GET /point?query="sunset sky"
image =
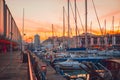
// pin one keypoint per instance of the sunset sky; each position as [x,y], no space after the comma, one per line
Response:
[41,14]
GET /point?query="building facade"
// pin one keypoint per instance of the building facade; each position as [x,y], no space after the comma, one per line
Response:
[37,42]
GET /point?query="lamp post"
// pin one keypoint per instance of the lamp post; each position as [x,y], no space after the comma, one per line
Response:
[22,34]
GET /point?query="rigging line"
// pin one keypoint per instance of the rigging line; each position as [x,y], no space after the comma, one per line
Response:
[72,11]
[73,15]
[97,18]
[80,19]
[71,31]
[105,27]
[59,1]
[66,17]
[65,14]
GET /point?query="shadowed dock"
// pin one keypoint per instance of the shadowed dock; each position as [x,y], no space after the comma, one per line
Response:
[12,68]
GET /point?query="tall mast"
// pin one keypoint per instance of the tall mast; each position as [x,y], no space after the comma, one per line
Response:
[113,37]
[63,26]
[105,35]
[63,21]
[113,24]
[68,24]
[76,23]
[105,26]
[91,27]
[52,36]
[52,31]
[91,34]
[86,43]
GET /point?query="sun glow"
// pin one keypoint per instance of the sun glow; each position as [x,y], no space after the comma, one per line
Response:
[40,15]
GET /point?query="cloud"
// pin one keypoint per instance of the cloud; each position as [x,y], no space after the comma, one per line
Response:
[32,27]
[111,14]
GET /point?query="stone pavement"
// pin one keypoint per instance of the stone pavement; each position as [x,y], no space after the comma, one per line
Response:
[12,68]
[51,73]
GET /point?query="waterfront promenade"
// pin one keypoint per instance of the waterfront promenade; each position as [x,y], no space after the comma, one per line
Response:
[51,74]
[12,68]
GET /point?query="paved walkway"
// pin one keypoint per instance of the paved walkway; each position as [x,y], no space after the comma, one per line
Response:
[51,73]
[12,68]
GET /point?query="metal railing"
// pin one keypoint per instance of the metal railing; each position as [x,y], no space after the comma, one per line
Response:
[30,69]
[40,68]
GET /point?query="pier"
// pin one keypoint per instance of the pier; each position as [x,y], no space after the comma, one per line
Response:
[12,67]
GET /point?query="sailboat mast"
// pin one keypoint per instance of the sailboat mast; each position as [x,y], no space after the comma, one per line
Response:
[53,36]
[105,26]
[113,24]
[52,31]
[91,33]
[113,37]
[63,21]
[68,24]
[105,35]
[76,23]
[63,26]
[86,42]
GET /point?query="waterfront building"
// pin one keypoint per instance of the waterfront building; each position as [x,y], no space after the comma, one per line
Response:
[37,42]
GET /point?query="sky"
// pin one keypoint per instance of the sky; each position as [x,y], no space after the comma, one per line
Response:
[39,15]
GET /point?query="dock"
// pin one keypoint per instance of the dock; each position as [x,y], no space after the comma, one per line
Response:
[51,74]
[12,68]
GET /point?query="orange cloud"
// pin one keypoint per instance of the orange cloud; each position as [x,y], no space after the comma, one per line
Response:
[44,29]
[32,27]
